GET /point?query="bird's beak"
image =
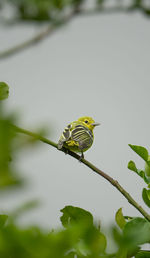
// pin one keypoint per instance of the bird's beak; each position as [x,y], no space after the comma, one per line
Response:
[95,124]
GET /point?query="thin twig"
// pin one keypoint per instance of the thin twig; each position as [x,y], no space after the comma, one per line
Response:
[91,166]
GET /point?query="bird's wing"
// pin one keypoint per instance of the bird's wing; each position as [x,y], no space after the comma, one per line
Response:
[83,136]
[65,136]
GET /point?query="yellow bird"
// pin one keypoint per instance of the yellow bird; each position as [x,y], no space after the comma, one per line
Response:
[78,136]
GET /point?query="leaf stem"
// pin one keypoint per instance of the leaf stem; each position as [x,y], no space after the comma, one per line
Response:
[91,166]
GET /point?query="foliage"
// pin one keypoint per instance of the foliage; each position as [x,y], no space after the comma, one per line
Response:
[55,13]
[8,175]
[41,10]
[4,91]
[47,10]
[80,235]
[145,173]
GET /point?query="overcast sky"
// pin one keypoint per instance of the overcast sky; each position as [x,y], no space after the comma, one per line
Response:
[97,66]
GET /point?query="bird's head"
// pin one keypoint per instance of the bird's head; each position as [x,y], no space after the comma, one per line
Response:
[88,122]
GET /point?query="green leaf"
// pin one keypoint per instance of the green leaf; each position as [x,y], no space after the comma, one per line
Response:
[132,166]
[72,215]
[120,220]
[146,196]
[136,232]
[3,219]
[147,167]
[141,151]
[141,173]
[4,91]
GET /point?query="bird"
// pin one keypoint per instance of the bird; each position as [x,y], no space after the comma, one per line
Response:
[78,135]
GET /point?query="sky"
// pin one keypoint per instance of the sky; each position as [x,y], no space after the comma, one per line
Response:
[96,66]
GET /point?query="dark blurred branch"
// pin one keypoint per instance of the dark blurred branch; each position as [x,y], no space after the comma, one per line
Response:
[91,166]
[22,46]
[100,8]
[37,38]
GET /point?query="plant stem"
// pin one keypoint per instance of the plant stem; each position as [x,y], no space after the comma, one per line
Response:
[91,166]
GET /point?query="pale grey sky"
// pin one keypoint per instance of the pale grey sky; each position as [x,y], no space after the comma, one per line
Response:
[97,66]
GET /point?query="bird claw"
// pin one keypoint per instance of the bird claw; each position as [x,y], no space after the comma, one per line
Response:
[81,157]
[66,151]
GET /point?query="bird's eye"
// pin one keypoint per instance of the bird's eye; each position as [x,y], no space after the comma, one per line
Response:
[86,121]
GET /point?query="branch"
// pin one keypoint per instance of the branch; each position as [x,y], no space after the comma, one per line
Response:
[22,46]
[91,166]
[52,27]
[35,39]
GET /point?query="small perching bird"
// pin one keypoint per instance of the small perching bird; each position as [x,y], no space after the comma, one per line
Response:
[78,136]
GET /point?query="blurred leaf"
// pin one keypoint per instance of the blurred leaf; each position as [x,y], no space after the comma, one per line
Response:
[143,254]
[125,248]
[50,10]
[141,151]
[136,232]
[101,243]
[4,91]
[72,255]
[94,240]
[146,196]
[100,2]
[73,215]
[120,220]
[3,219]
[8,175]
[117,235]
[42,10]
[38,10]
[89,240]
[146,11]
[122,253]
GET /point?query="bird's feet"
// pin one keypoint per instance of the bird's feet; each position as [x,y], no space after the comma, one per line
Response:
[66,151]
[81,157]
